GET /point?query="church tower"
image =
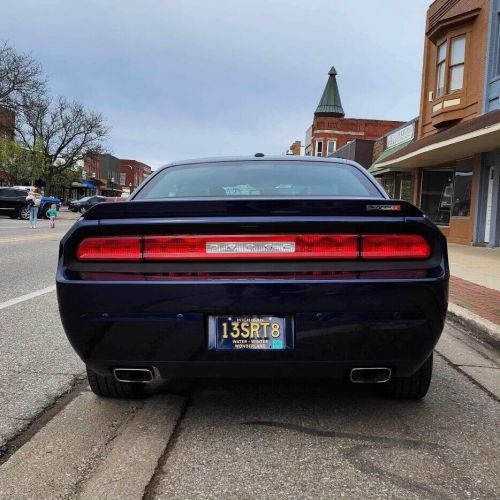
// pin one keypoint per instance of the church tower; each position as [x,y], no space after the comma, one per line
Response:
[331,130]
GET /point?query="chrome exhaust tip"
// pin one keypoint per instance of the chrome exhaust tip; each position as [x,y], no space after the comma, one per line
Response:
[133,375]
[370,375]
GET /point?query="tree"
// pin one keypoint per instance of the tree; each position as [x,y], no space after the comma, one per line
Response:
[17,164]
[21,77]
[62,131]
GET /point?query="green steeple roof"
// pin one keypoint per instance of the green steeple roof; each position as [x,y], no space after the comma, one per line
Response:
[330,104]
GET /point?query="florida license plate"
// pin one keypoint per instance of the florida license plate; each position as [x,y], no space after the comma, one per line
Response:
[241,333]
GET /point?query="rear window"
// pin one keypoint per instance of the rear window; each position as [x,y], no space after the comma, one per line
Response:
[259,179]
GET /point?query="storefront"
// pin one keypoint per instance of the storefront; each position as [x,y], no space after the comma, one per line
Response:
[398,184]
[455,178]
[79,189]
[447,196]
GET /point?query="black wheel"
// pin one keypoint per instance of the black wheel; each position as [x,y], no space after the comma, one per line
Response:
[24,213]
[109,387]
[44,214]
[413,387]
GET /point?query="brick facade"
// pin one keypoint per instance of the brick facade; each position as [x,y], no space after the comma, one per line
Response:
[344,130]
[132,173]
[446,20]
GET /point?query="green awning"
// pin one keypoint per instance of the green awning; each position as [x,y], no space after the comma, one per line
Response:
[385,155]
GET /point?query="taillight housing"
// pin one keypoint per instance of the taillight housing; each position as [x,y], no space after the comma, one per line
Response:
[254,247]
[394,247]
[267,247]
[110,248]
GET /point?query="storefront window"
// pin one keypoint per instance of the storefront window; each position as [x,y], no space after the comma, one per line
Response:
[461,192]
[404,187]
[389,184]
[437,195]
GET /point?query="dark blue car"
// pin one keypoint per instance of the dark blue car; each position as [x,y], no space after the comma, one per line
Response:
[255,267]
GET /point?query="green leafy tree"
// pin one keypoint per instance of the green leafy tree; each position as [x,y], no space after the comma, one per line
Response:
[17,164]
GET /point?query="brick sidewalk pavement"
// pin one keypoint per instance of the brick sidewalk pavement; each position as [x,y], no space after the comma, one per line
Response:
[478,299]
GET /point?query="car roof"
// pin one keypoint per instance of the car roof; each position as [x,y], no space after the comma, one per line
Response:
[221,159]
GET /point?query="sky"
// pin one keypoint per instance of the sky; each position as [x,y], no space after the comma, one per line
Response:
[179,79]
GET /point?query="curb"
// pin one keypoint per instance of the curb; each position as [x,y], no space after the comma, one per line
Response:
[479,327]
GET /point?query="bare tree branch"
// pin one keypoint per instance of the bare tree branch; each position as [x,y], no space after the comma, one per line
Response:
[21,76]
[62,131]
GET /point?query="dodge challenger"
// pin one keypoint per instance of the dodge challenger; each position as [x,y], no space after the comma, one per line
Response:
[255,267]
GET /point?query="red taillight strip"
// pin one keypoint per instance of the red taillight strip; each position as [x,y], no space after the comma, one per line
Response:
[268,247]
[394,246]
[110,248]
[253,247]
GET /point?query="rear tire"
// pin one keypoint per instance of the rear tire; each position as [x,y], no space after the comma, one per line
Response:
[109,387]
[412,387]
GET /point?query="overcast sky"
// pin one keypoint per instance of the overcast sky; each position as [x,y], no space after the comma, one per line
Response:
[188,78]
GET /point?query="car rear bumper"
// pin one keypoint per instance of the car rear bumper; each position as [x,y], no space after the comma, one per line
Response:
[337,326]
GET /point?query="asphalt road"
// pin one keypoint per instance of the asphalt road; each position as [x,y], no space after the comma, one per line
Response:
[36,362]
[227,439]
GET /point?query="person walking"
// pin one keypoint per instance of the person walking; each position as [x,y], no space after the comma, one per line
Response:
[52,213]
[34,200]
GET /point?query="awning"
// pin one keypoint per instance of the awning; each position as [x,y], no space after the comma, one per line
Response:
[378,171]
[374,169]
[478,135]
[83,184]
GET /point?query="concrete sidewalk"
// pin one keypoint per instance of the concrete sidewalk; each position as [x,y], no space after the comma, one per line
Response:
[475,290]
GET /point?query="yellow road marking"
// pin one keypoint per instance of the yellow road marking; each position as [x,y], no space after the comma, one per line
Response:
[15,239]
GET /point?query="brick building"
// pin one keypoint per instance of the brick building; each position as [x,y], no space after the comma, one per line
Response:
[101,174]
[455,161]
[132,173]
[331,130]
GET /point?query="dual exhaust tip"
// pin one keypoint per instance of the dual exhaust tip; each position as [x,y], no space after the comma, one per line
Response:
[370,375]
[357,375]
[134,375]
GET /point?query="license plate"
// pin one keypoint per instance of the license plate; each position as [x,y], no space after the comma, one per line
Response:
[243,333]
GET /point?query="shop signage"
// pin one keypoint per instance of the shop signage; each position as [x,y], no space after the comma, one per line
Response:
[402,135]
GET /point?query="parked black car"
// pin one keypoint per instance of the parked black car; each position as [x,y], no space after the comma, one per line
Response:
[83,204]
[13,202]
[255,267]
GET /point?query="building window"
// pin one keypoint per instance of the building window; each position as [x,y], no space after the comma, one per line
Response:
[319,148]
[122,179]
[437,195]
[441,69]
[331,147]
[457,60]
[388,183]
[404,186]
[462,187]
[450,65]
